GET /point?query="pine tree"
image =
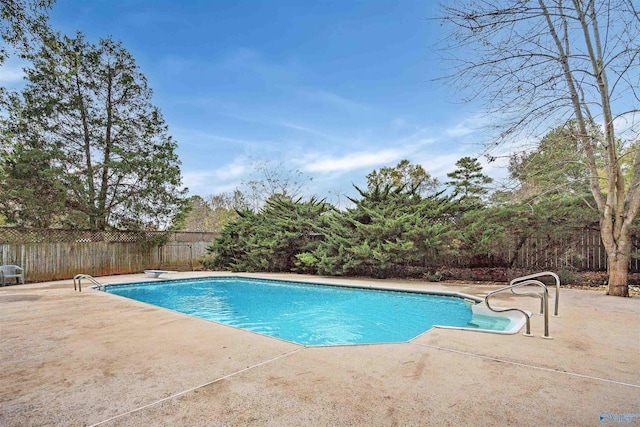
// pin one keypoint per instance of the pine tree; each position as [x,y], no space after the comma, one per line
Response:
[85,134]
[468,181]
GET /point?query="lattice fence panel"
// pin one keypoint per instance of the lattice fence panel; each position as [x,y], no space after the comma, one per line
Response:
[52,254]
[34,235]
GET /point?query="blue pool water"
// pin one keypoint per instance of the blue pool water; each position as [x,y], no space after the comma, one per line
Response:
[306,314]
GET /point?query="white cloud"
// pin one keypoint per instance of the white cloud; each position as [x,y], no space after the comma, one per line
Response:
[233,171]
[10,76]
[309,130]
[206,183]
[467,126]
[440,165]
[187,136]
[627,126]
[11,72]
[407,147]
[352,161]
[196,180]
[498,169]
[216,181]
[459,129]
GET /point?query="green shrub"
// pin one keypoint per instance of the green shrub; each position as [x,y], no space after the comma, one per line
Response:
[306,263]
[567,277]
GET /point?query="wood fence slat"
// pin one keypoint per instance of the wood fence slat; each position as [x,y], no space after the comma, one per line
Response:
[61,254]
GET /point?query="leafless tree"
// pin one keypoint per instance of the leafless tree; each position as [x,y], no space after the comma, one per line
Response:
[271,180]
[537,64]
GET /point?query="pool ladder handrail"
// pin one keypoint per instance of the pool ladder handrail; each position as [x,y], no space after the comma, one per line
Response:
[78,286]
[545,296]
[539,295]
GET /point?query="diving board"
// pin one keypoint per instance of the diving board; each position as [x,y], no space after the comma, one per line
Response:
[156,273]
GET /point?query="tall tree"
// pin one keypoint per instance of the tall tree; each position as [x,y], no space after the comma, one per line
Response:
[468,181]
[406,176]
[555,166]
[539,64]
[85,131]
[199,215]
[213,213]
[23,23]
[23,28]
[272,179]
[389,232]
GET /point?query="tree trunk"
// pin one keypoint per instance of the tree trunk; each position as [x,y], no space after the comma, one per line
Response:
[618,268]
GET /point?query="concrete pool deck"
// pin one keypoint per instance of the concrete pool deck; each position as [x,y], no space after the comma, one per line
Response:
[92,358]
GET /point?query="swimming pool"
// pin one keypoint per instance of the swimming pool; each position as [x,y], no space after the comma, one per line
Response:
[312,314]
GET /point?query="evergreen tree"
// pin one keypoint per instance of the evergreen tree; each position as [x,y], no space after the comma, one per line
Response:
[86,136]
[468,181]
[273,239]
[497,233]
[555,166]
[388,233]
[23,24]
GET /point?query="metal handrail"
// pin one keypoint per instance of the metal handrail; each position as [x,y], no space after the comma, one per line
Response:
[535,294]
[545,302]
[79,277]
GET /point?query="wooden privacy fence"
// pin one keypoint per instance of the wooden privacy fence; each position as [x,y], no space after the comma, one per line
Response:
[580,250]
[583,251]
[51,254]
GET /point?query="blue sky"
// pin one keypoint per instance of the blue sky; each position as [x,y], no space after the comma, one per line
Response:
[334,89]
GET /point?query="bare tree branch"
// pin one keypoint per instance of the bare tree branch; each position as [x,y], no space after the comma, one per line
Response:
[536,65]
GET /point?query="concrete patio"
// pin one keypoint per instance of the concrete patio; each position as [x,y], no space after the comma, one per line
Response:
[92,358]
